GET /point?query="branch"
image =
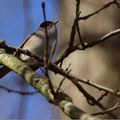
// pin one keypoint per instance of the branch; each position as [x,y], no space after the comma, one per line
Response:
[73,32]
[75,79]
[60,71]
[90,99]
[96,12]
[102,39]
[115,107]
[46,39]
[18,92]
[66,53]
[75,24]
[60,84]
[56,69]
[70,48]
[46,46]
[11,50]
[41,85]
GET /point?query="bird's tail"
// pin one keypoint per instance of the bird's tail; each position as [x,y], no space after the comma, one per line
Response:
[4,71]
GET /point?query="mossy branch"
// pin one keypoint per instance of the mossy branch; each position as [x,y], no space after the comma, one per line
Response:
[41,85]
[20,68]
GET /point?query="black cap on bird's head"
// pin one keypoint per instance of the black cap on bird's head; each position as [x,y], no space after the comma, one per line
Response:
[48,24]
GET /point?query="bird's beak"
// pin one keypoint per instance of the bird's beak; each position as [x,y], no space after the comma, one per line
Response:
[56,22]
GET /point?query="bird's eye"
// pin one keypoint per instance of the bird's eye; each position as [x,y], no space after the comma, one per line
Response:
[46,24]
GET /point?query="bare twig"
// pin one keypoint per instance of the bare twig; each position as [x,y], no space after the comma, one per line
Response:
[75,79]
[73,32]
[96,12]
[78,28]
[68,71]
[91,100]
[77,6]
[62,82]
[40,84]
[56,69]
[53,49]
[100,87]
[18,92]
[67,75]
[66,53]
[80,37]
[46,35]
[115,107]
[102,39]
[71,49]
[102,96]
[68,67]
[70,76]
[46,51]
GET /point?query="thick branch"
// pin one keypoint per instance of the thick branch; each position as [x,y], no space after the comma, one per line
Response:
[40,84]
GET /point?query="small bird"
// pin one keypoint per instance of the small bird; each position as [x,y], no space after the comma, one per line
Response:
[35,44]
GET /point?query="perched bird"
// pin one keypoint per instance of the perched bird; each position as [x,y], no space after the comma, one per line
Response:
[35,44]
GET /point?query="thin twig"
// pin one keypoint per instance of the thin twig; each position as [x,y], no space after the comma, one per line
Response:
[102,39]
[102,96]
[115,107]
[75,79]
[68,71]
[72,48]
[75,24]
[78,28]
[46,35]
[46,51]
[53,49]
[99,87]
[56,69]
[91,100]
[80,37]
[77,6]
[18,92]
[103,7]
[66,53]
[41,85]
[62,82]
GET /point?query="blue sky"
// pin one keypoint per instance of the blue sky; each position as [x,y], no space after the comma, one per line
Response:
[15,26]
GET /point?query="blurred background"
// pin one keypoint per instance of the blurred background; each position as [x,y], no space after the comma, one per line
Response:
[101,64]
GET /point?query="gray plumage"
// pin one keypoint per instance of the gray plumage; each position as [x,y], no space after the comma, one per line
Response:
[35,43]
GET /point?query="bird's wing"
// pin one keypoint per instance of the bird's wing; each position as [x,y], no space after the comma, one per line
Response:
[23,43]
[5,70]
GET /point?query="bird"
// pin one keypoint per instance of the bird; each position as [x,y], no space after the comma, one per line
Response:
[35,44]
